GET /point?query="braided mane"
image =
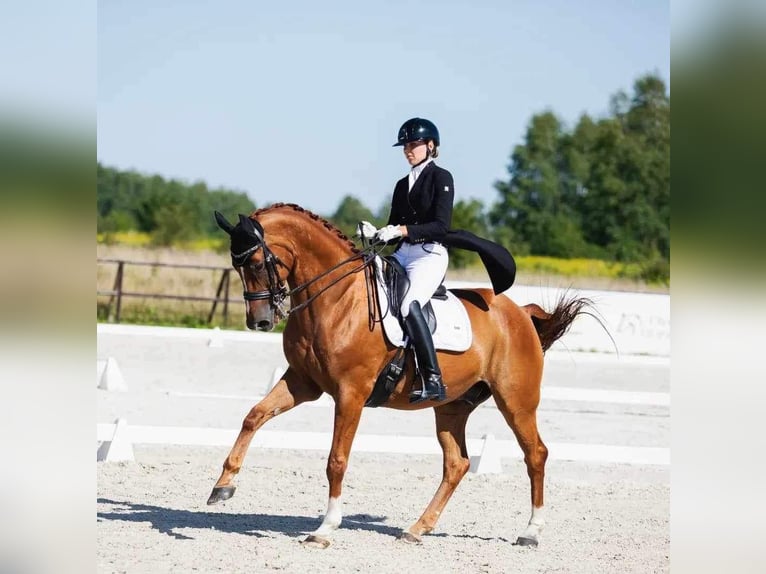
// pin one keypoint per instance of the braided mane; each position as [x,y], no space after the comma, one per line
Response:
[328,225]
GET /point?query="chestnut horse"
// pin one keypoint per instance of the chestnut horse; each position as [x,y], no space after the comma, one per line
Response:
[332,347]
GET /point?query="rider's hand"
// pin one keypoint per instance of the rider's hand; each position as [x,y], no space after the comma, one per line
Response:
[388,233]
[366,230]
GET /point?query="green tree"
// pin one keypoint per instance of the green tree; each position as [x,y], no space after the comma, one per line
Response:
[229,203]
[626,204]
[384,210]
[537,208]
[601,190]
[468,215]
[170,210]
[172,224]
[349,213]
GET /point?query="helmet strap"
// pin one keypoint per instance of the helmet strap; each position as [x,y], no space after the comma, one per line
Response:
[428,155]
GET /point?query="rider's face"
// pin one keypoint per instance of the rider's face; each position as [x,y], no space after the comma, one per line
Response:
[415,152]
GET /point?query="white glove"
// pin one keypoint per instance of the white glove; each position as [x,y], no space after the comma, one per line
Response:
[387,233]
[366,229]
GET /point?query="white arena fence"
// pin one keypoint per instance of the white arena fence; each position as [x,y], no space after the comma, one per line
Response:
[116,440]
[638,322]
[109,378]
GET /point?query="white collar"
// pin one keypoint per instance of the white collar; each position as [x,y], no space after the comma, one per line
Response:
[418,169]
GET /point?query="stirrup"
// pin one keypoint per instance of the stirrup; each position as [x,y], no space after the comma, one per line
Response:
[425,393]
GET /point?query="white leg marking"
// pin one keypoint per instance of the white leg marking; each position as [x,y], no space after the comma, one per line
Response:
[332,518]
[536,523]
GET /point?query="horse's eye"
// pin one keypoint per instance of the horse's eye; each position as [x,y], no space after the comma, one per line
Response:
[257,266]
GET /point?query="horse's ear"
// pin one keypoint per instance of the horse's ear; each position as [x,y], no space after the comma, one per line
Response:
[222,223]
[246,223]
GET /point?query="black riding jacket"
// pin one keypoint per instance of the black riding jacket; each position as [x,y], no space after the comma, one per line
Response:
[427,213]
[426,210]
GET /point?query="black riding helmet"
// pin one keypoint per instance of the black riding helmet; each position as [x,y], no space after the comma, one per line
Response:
[416,129]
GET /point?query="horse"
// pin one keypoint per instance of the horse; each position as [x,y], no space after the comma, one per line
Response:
[331,346]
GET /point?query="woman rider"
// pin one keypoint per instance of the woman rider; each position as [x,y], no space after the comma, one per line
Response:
[421,213]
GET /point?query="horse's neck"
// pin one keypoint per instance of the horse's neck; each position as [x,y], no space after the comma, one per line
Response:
[315,254]
[338,298]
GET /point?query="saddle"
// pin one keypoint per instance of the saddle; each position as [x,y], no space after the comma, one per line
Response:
[395,284]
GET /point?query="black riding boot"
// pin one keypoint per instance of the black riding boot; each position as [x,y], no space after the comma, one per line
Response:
[433,388]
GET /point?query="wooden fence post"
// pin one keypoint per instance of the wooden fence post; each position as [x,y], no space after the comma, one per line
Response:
[223,282]
[118,291]
[226,300]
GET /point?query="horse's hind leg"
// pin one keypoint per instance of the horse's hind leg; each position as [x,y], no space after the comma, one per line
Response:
[450,430]
[535,455]
[519,407]
[290,391]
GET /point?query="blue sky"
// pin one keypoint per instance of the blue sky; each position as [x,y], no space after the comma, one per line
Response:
[300,101]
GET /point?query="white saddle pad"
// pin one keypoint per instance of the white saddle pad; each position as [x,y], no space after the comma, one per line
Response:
[453,327]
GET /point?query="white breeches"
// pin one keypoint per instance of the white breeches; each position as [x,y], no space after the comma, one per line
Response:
[426,264]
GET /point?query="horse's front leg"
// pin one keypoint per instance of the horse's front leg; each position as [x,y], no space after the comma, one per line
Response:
[291,390]
[348,412]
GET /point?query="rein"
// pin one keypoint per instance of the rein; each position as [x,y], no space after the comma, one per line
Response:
[278,292]
[366,255]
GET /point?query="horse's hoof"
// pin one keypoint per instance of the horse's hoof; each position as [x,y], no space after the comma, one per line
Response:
[221,493]
[313,541]
[410,538]
[522,541]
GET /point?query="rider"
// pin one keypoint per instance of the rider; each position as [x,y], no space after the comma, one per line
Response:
[421,213]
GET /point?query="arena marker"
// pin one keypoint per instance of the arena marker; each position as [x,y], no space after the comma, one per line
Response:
[215,338]
[488,462]
[111,377]
[276,376]
[119,448]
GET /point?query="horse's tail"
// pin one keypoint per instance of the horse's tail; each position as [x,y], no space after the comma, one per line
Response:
[551,327]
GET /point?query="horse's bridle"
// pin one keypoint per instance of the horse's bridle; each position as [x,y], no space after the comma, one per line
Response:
[278,291]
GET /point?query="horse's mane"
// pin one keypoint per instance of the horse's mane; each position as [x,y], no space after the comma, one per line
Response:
[327,225]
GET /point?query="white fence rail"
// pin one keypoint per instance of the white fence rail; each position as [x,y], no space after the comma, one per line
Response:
[117,440]
[638,322]
[109,378]
[547,393]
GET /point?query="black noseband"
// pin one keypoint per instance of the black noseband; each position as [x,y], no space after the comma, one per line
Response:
[277,291]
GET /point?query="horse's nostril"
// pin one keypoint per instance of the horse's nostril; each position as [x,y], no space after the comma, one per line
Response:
[264,325]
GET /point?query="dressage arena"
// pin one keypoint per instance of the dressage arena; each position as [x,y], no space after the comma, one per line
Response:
[180,396]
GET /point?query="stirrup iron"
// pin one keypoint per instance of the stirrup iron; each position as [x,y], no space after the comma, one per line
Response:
[431,388]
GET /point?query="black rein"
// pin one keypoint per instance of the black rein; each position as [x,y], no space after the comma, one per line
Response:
[278,292]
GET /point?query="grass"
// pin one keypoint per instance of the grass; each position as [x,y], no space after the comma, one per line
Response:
[169,314]
[576,273]
[576,267]
[141,239]
[653,275]
[127,238]
[167,281]
[531,270]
